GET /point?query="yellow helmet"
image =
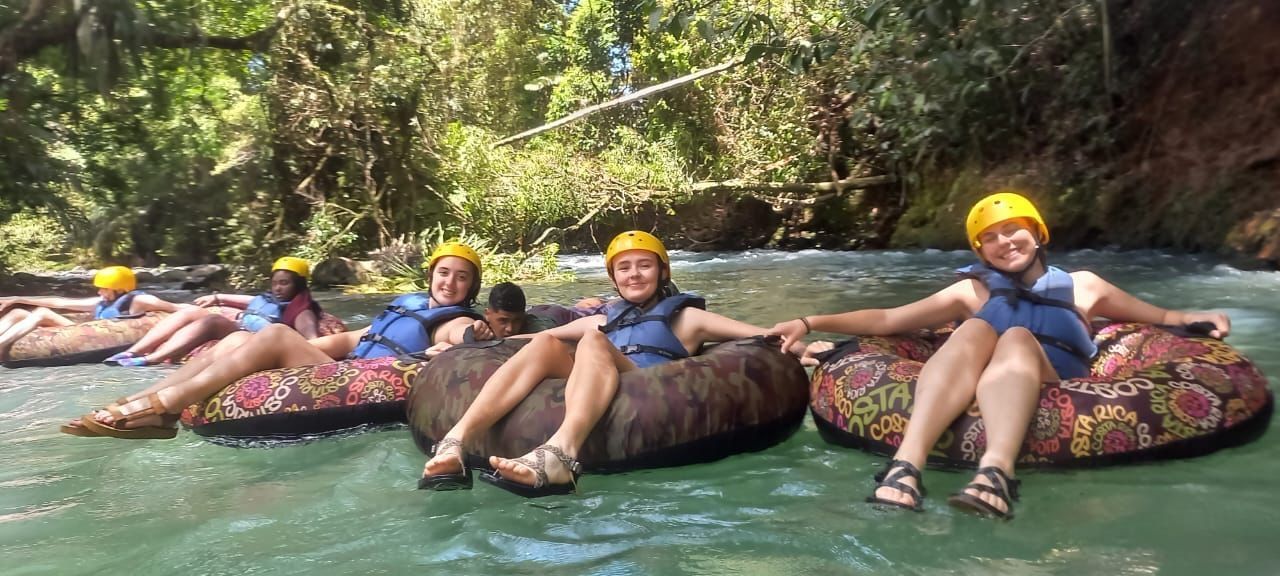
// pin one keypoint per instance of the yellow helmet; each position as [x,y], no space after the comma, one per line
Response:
[634,240]
[997,208]
[456,249]
[118,278]
[464,252]
[296,265]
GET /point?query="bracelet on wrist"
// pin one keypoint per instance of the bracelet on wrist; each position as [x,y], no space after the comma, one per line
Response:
[807,327]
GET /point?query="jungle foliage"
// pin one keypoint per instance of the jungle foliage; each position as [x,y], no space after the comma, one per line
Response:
[238,130]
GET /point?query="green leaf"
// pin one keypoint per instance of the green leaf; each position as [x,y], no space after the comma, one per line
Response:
[871,16]
[655,19]
[755,52]
[707,30]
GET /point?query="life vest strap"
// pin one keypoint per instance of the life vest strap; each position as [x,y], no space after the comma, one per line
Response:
[644,349]
[384,341]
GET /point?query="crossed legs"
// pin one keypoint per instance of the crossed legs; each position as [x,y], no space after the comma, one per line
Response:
[180,333]
[17,323]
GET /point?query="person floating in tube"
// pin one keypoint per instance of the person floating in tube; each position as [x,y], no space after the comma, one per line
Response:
[1020,323]
[650,324]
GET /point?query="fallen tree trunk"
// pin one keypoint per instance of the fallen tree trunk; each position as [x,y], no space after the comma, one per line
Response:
[632,97]
[811,187]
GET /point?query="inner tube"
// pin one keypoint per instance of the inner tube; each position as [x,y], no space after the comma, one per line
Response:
[291,404]
[88,342]
[736,397]
[296,403]
[1153,393]
[327,326]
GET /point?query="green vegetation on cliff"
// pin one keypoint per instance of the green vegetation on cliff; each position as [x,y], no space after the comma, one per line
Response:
[238,130]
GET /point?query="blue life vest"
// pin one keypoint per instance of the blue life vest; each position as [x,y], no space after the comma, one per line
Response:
[1047,309]
[406,325]
[645,336]
[264,310]
[117,309]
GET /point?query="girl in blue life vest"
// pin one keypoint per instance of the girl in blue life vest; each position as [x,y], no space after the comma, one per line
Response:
[454,273]
[215,316]
[650,324]
[118,298]
[1020,323]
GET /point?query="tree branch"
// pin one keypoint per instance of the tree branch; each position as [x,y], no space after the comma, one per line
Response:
[632,97]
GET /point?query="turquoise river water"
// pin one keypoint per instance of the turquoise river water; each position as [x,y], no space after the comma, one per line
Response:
[348,505]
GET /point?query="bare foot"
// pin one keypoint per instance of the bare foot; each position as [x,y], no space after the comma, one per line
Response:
[524,470]
[886,492]
[447,460]
[995,501]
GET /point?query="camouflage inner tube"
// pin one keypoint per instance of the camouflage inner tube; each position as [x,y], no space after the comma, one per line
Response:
[329,325]
[289,404]
[1151,394]
[736,397]
[91,341]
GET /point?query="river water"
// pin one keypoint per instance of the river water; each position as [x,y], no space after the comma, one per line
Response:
[348,504]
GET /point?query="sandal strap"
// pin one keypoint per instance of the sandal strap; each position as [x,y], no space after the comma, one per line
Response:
[574,466]
[447,443]
[900,469]
[539,467]
[1007,487]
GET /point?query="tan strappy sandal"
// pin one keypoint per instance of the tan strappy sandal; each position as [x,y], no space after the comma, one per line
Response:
[167,429]
[79,429]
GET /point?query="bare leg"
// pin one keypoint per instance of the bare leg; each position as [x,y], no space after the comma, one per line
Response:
[1008,393]
[165,329]
[35,319]
[203,329]
[592,384]
[188,370]
[276,346]
[945,388]
[13,316]
[543,357]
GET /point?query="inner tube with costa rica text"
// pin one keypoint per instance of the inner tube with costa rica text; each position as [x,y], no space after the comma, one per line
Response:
[737,397]
[1151,394]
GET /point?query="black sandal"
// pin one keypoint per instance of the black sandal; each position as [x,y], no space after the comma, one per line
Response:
[460,480]
[1002,486]
[541,487]
[904,470]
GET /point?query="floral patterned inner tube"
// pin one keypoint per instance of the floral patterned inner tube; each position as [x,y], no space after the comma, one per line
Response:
[292,403]
[1151,394]
[329,324]
[91,341]
[736,397]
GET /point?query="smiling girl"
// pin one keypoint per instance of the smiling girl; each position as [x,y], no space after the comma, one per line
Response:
[1020,323]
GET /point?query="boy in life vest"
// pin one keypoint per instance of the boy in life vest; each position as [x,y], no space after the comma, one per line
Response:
[215,316]
[650,324]
[1020,323]
[410,324]
[118,298]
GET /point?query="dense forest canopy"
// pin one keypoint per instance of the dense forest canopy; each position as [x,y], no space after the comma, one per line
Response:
[237,130]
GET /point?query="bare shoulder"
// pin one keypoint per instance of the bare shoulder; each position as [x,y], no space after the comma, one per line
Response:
[968,293]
